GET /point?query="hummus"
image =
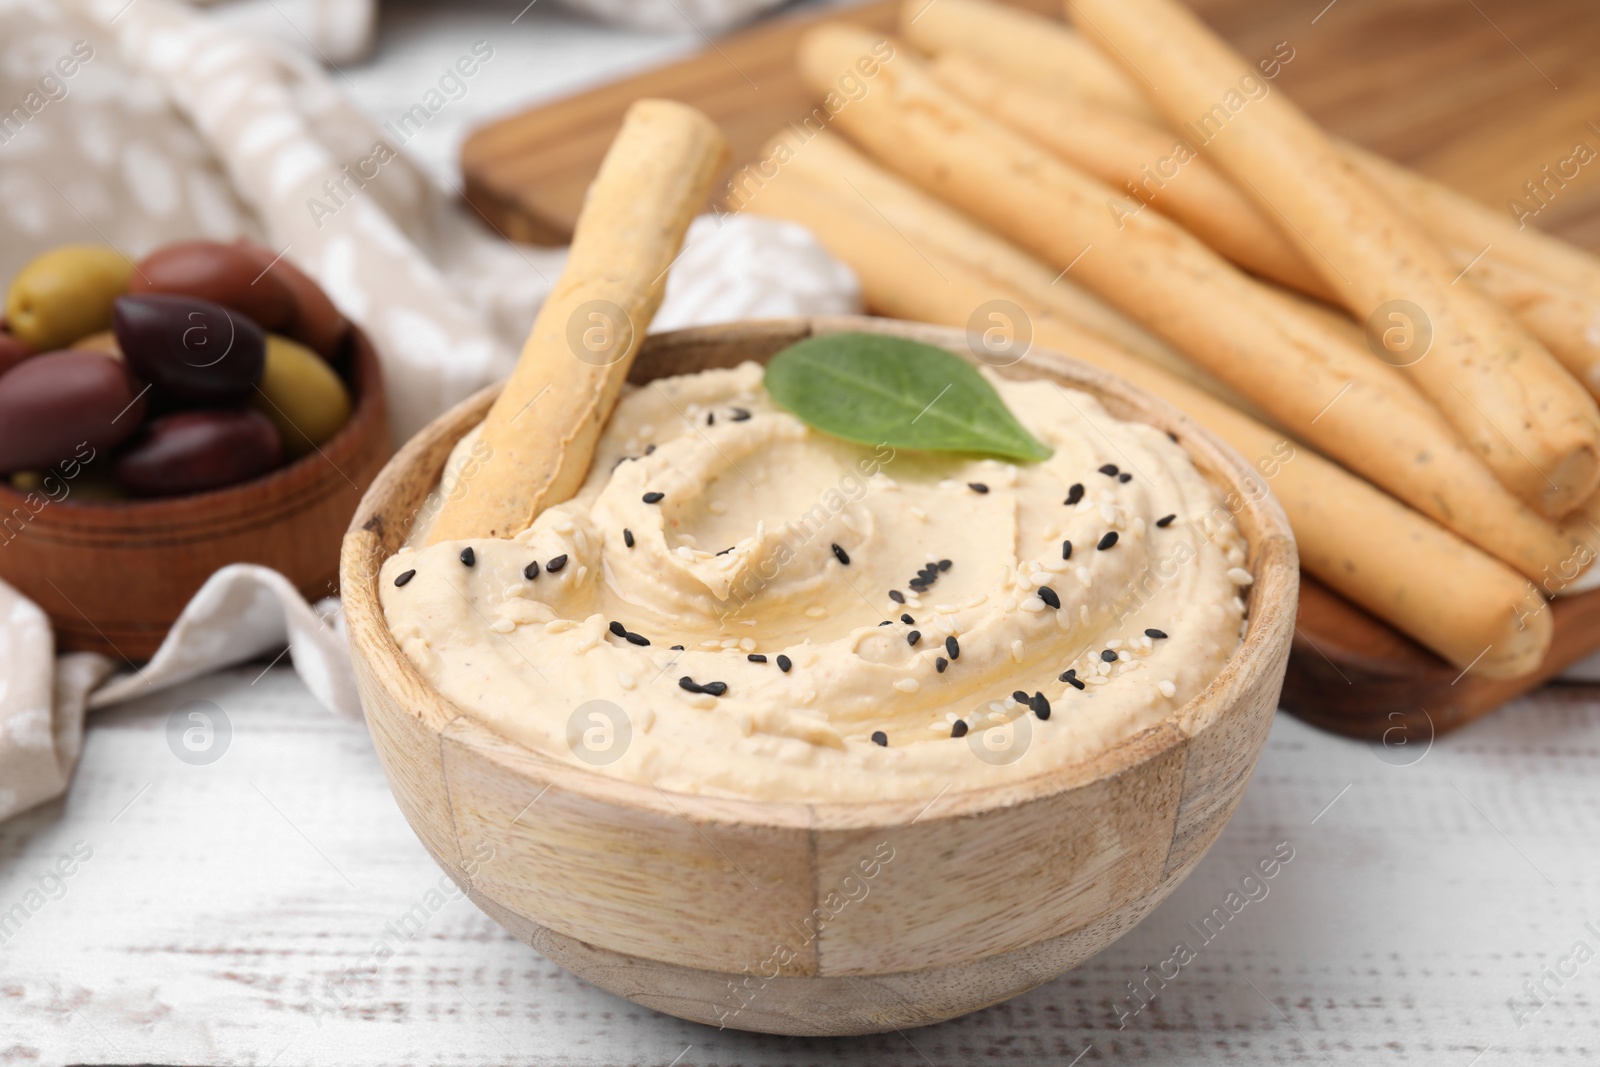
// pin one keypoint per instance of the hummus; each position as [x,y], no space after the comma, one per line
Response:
[735,604]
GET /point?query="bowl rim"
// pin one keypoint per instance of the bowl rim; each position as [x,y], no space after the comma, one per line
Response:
[1272,559]
[370,405]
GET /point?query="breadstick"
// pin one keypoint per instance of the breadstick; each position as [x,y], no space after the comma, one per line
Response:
[826,166]
[1310,378]
[1457,219]
[1142,160]
[1538,430]
[541,431]
[988,28]
[1469,608]
[1547,284]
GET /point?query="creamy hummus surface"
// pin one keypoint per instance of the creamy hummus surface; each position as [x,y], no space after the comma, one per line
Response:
[735,604]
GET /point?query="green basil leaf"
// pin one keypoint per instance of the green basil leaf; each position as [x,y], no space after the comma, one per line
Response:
[875,389]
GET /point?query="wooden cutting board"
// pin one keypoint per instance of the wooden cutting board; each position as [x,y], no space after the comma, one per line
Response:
[1481,94]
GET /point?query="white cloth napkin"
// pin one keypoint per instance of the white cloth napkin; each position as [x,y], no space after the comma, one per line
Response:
[175,124]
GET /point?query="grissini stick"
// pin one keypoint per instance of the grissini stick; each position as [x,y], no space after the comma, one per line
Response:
[1536,427]
[541,432]
[1314,382]
[1141,160]
[1471,609]
[1060,60]
[1552,288]
[826,166]
[1163,171]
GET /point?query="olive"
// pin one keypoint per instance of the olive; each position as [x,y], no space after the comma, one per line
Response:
[55,402]
[104,342]
[317,323]
[221,273]
[13,350]
[66,294]
[302,396]
[193,351]
[192,451]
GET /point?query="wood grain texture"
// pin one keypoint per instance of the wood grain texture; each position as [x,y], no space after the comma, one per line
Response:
[1481,96]
[621,882]
[113,577]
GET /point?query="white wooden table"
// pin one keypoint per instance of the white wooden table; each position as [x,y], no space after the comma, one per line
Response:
[238,913]
[250,911]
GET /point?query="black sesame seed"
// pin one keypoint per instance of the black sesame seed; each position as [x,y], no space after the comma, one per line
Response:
[531,571]
[841,555]
[627,537]
[1071,678]
[636,639]
[1109,470]
[1108,656]
[716,689]
[886,622]
[897,596]
[908,620]
[1020,697]
[977,487]
[784,663]
[1173,436]
[739,415]
[917,585]
[913,637]
[1165,521]
[403,577]
[725,551]
[619,629]
[1048,595]
[952,647]
[1074,494]
[690,685]
[756,657]
[677,648]
[940,663]
[1066,550]
[958,728]
[556,564]
[649,449]
[880,738]
[468,556]
[1124,477]
[654,498]
[1157,634]
[1040,705]
[1107,541]
[944,564]
[711,418]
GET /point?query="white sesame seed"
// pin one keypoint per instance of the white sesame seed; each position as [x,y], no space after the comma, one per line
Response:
[907,685]
[502,626]
[625,680]
[747,643]
[1240,576]
[716,507]
[746,725]
[1033,604]
[1017,650]
[685,552]
[1114,644]
[816,612]
[918,514]
[1168,690]
[582,573]
[559,626]
[1123,656]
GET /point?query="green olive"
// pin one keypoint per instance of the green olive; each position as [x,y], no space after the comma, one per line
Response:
[301,394]
[66,294]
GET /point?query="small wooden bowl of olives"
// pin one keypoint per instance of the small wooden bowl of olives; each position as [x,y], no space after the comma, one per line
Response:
[159,420]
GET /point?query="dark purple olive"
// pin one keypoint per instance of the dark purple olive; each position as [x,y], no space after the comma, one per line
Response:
[194,352]
[192,451]
[53,404]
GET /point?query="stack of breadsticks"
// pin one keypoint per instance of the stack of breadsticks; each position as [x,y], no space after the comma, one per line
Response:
[1409,372]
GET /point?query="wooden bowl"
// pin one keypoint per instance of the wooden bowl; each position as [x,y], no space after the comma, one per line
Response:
[760,915]
[113,577]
